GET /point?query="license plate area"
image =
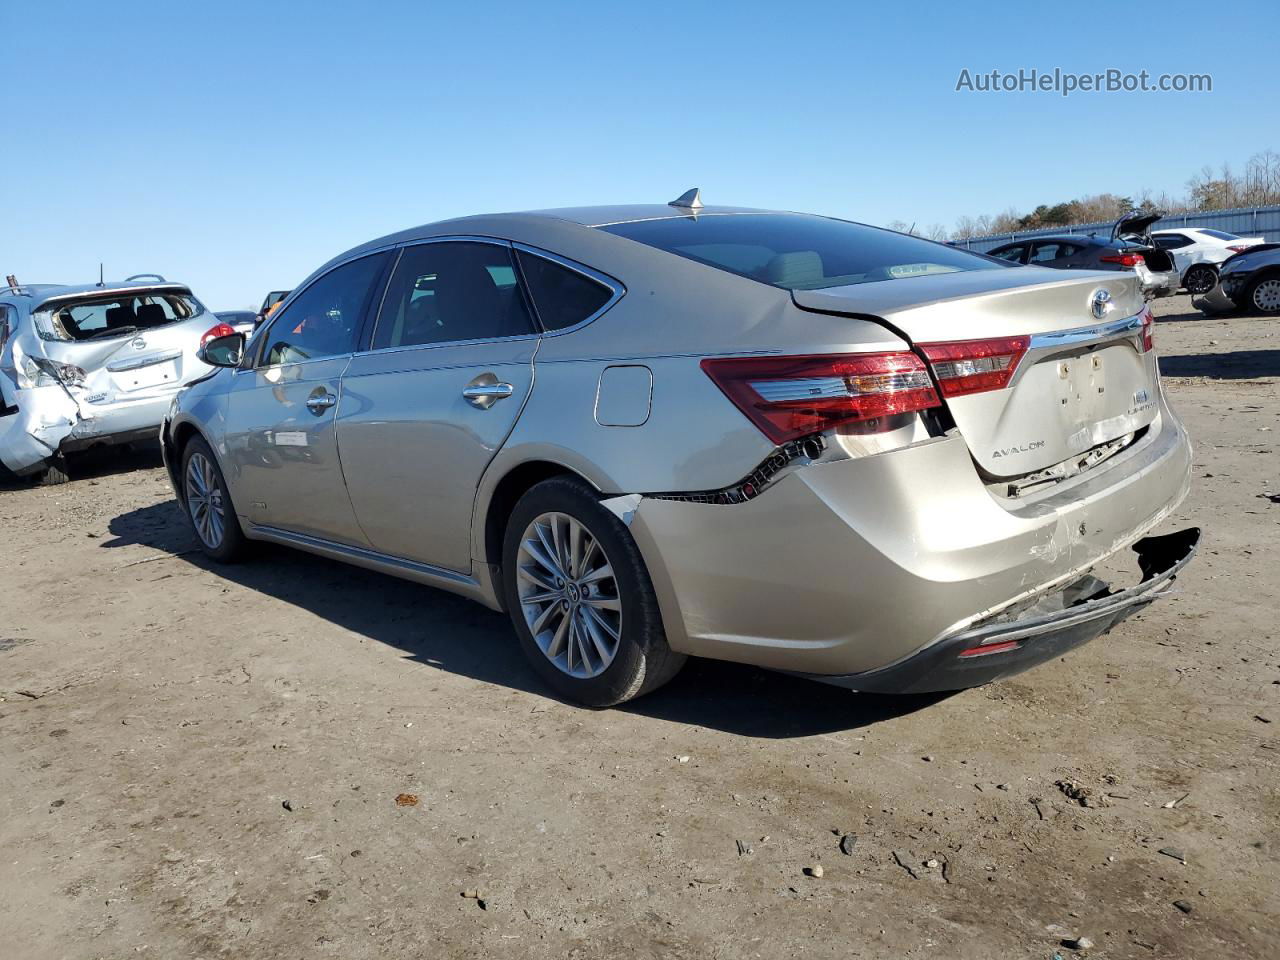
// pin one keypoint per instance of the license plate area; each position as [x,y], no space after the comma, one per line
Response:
[145,377]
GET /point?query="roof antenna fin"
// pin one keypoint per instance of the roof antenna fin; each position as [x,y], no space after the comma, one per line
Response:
[690,198]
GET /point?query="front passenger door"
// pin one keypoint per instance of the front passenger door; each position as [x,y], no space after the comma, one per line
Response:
[281,444]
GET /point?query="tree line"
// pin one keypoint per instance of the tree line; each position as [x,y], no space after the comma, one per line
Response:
[1222,189]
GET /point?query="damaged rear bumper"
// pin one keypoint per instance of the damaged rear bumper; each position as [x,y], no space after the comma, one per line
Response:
[1056,623]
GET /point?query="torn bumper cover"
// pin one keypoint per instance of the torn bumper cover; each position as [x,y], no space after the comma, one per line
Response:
[1056,623]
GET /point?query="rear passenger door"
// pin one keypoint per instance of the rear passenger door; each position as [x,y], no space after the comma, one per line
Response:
[1051,253]
[434,395]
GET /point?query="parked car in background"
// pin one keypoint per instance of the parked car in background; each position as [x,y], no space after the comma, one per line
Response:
[90,364]
[1128,248]
[270,302]
[655,431]
[1198,251]
[1251,280]
[243,321]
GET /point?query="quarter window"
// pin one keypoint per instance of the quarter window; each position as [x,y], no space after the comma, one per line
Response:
[325,318]
[562,297]
[1172,241]
[450,291]
[1013,253]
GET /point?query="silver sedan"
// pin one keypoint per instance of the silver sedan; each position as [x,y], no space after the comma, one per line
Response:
[653,432]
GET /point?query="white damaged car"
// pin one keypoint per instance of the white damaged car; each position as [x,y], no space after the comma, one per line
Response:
[94,364]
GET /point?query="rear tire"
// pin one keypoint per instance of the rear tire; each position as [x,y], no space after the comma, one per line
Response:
[55,472]
[206,503]
[1200,279]
[580,598]
[1263,294]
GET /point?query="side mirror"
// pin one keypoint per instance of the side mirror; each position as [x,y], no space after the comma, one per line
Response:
[223,351]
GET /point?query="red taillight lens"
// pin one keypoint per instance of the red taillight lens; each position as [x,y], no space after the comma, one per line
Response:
[1239,247]
[1124,259]
[973,366]
[789,397]
[216,331]
[1148,330]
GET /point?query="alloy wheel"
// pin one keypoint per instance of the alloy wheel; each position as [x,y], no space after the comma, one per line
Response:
[1266,296]
[569,595]
[1201,280]
[204,501]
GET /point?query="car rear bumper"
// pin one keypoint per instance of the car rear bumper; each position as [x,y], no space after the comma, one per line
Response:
[1158,284]
[48,422]
[855,566]
[1006,646]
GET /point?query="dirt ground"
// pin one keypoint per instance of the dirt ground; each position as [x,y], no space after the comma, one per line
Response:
[205,762]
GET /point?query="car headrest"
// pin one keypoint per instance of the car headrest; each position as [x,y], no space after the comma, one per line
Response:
[120,317]
[794,269]
[151,314]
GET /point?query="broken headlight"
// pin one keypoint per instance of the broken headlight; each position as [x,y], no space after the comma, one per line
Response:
[42,372]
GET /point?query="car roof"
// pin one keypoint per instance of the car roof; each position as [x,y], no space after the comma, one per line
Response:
[44,291]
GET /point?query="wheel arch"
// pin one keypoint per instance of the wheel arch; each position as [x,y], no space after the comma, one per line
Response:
[499,492]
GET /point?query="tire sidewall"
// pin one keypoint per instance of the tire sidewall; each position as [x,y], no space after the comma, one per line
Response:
[641,626]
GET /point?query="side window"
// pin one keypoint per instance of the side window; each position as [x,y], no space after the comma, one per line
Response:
[7,320]
[325,318]
[561,296]
[1013,253]
[1172,241]
[450,291]
[1044,252]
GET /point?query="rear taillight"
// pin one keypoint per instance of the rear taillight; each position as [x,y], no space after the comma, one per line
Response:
[1239,247]
[1124,259]
[216,331]
[1148,329]
[790,397]
[974,366]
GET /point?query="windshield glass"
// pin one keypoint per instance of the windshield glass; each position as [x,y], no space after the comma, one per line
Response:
[1219,235]
[103,317]
[799,252]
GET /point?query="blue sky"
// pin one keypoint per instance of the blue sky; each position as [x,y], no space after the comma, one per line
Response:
[236,146]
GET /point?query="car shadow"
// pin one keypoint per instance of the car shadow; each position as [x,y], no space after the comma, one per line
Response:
[1236,365]
[447,632]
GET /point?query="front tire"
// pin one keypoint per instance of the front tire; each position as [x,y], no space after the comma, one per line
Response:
[1200,280]
[1263,294]
[207,504]
[580,598]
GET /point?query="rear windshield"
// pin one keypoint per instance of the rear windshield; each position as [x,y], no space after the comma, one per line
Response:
[799,252]
[1219,235]
[103,317]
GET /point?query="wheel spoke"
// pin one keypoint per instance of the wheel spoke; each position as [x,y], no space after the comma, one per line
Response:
[535,577]
[543,618]
[600,573]
[595,617]
[540,553]
[556,646]
[603,649]
[604,603]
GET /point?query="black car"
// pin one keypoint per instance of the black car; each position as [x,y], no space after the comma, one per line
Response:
[1251,280]
[1129,247]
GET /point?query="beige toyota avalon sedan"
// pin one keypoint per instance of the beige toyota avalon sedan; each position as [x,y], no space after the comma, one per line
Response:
[654,432]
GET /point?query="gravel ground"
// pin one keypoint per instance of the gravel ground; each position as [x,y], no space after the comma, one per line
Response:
[296,758]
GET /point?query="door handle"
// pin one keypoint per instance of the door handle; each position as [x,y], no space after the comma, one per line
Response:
[485,395]
[320,402]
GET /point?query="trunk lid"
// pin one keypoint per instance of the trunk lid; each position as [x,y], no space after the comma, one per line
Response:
[1136,224]
[1083,381]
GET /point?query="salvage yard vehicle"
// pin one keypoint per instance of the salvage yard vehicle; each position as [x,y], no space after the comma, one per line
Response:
[654,431]
[1251,279]
[1198,253]
[1129,248]
[82,366]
